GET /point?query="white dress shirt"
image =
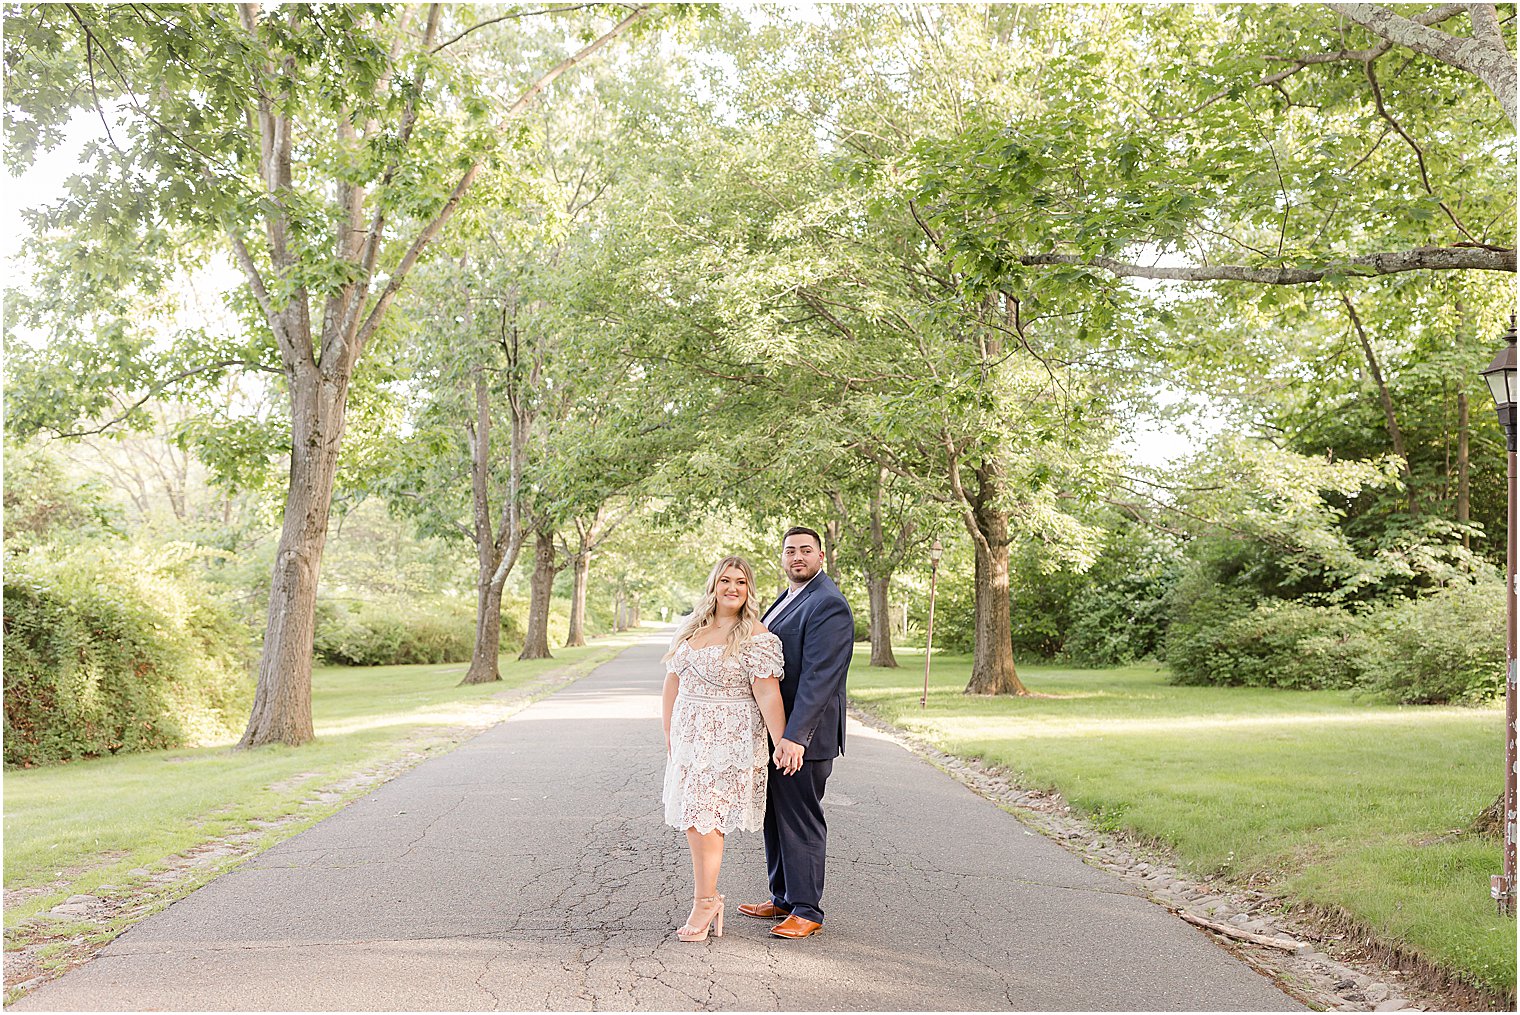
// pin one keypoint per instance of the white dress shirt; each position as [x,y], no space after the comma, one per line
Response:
[781,605]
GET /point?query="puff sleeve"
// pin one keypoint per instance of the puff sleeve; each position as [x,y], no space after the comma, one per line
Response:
[763,659]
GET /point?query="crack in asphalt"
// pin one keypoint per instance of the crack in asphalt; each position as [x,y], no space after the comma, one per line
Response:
[429,827]
[486,971]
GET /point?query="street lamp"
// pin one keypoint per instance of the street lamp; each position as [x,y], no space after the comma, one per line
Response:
[935,553]
[1500,376]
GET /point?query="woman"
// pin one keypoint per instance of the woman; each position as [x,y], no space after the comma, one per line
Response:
[722,696]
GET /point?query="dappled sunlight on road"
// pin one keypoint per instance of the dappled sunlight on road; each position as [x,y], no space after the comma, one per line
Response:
[568,705]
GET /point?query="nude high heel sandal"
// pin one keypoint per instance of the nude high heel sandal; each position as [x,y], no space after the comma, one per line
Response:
[691,935]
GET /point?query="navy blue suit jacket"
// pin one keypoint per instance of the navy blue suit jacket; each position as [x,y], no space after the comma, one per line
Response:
[817,635]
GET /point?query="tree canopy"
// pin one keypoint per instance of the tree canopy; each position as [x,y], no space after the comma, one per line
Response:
[642,283]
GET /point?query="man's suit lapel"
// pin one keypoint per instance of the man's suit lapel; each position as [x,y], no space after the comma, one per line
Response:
[790,609]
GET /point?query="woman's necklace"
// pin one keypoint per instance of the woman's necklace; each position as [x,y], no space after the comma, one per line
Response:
[721,631]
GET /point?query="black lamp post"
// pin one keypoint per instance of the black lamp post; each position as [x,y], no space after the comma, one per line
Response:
[935,553]
[1500,376]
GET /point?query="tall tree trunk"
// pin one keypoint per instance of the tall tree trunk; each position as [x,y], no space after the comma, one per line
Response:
[881,620]
[592,533]
[879,581]
[282,702]
[485,665]
[830,546]
[1464,482]
[992,666]
[496,554]
[541,588]
[581,574]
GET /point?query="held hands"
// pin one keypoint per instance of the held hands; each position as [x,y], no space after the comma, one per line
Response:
[788,756]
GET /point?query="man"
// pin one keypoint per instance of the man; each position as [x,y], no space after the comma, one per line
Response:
[817,635]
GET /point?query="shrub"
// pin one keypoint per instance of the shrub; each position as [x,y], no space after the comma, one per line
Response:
[1200,611]
[862,619]
[1117,620]
[1444,647]
[392,633]
[113,648]
[1223,635]
[954,613]
[1272,644]
[41,502]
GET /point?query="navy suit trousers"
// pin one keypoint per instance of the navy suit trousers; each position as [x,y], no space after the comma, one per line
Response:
[796,838]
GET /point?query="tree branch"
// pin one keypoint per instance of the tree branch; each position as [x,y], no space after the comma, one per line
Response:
[1419,153]
[963,502]
[1455,258]
[1491,64]
[1430,17]
[425,237]
[1485,24]
[560,9]
[158,387]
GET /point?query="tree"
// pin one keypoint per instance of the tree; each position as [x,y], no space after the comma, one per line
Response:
[1249,170]
[345,136]
[880,540]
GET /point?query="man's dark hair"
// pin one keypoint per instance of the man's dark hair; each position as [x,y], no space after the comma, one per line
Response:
[801,530]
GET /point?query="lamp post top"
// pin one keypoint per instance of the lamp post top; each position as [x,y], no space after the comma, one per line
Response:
[1500,374]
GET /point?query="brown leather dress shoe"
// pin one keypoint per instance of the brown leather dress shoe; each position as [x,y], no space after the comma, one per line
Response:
[763,910]
[795,927]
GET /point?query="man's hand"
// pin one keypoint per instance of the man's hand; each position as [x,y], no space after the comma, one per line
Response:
[788,756]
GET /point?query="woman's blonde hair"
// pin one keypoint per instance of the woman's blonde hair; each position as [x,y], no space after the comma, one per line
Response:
[706,610]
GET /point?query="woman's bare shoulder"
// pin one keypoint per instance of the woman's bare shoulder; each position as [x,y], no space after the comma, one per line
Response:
[760,629]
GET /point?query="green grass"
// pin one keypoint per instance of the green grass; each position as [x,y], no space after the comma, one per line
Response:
[77,826]
[1328,798]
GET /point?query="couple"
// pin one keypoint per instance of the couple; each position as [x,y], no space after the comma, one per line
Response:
[733,678]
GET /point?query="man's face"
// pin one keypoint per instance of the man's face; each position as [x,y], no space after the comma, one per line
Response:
[801,558]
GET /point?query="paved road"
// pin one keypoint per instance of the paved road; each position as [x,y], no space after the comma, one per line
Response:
[528,869]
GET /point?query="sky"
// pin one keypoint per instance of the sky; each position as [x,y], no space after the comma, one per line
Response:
[41,183]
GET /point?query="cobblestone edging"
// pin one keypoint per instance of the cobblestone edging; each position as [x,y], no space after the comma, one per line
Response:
[1298,956]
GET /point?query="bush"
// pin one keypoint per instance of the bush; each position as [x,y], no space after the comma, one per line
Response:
[1444,647]
[1271,644]
[1113,613]
[1200,611]
[1119,619]
[862,619]
[392,633]
[41,501]
[113,648]
[1440,648]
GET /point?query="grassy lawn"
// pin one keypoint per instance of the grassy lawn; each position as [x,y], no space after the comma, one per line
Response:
[1334,800]
[74,827]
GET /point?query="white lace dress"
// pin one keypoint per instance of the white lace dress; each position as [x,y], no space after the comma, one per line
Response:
[715,775]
